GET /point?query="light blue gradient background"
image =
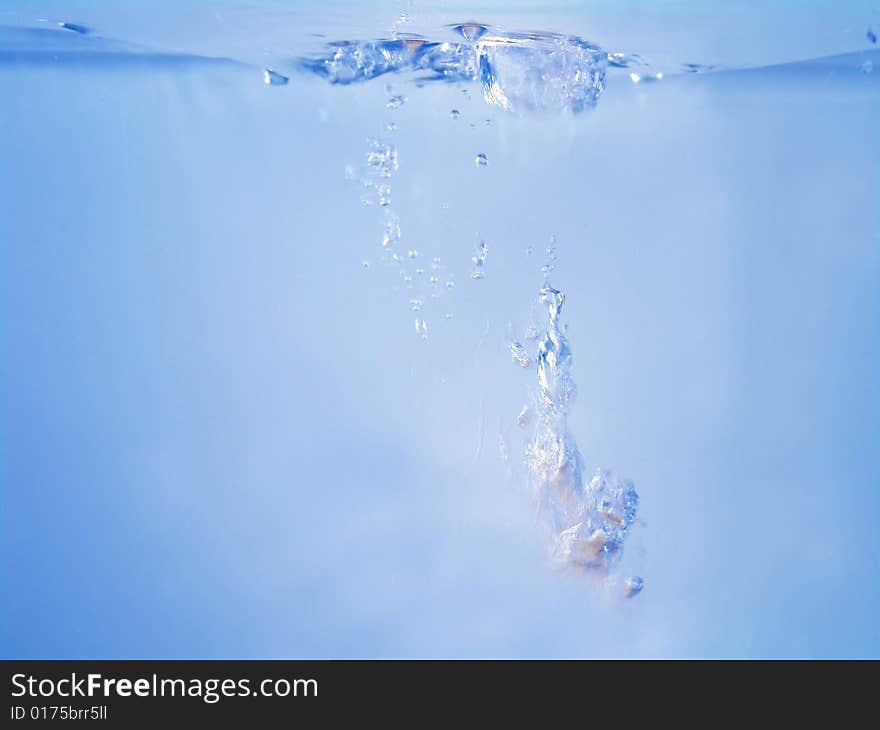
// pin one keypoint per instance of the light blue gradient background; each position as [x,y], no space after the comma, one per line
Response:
[221,437]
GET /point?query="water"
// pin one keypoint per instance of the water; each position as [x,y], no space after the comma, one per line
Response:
[290,371]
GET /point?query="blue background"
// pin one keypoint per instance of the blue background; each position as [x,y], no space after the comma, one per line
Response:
[221,437]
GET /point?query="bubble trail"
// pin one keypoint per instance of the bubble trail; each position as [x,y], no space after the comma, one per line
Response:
[587,523]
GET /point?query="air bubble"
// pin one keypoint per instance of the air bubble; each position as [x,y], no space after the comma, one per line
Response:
[383,194]
[633,585]
[519,354]
[550,259]
[479,261]
[382,158]
[392,230]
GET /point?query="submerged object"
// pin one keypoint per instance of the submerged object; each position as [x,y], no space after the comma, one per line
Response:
[588,523]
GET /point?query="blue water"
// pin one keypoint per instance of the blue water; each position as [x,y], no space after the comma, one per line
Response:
[279,379]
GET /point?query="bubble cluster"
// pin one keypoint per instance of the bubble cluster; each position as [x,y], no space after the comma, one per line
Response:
[479,261]
[421,277]
[396,101]
[587,521]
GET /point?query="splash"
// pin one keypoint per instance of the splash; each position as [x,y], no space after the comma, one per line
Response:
[540,71]
[587,522]
[350,62]
[516,71]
